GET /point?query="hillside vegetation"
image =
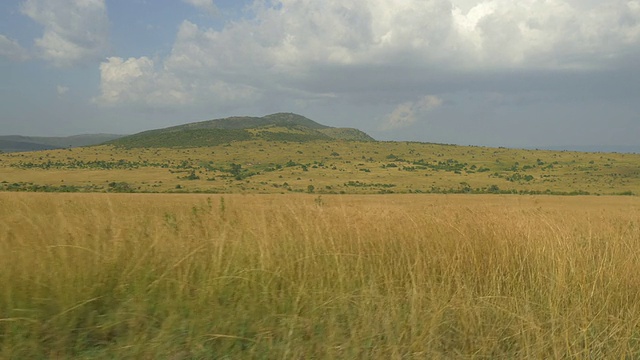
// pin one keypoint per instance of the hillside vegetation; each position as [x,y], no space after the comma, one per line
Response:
[110,276]
[275,127]
[285,152]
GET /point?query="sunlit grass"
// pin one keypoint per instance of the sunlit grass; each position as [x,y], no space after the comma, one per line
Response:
[329,166]
[187,276]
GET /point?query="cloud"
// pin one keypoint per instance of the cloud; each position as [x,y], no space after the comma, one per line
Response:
[11,50]
[205,6]
[408,113]
[137,81]
[327,49]
[62,90]
[553,34]
[75,31]
[295,35]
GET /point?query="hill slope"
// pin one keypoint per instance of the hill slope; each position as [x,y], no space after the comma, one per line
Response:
[275,127]
[14,143]
[8,145]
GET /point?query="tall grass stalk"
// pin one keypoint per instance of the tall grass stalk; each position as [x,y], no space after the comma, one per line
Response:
[272,277]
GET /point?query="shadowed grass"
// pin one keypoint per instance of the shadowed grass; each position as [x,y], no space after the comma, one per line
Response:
[187,276]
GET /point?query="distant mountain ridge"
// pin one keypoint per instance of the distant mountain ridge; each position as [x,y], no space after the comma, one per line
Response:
[623,149]
[15,143]
[274,127]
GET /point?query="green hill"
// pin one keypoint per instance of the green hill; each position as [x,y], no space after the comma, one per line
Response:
[16,143]
[346,134]
[8,145]
[275,127]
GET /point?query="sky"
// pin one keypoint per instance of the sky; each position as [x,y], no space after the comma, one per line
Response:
[514,73]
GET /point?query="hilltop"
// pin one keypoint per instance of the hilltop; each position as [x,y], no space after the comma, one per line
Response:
[275,127]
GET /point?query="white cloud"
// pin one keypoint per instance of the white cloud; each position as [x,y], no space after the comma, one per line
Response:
[136,81]
[62,90]
[551,34]
[408,113]
[205,6]
[75,31]
[11,50]
[299,34]
[318,47]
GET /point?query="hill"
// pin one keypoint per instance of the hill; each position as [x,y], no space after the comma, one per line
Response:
[286,152]
[17,143]
[275,127]
[7,145]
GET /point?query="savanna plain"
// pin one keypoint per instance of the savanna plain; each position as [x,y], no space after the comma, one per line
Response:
[195,276]
[321,250]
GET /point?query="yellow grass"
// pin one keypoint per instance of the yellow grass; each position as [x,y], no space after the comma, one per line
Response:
[324,277]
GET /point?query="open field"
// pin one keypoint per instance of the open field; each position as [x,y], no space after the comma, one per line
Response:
[321,167]
[307,276]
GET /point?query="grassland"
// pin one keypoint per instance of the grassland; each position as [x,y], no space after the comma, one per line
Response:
[321,167]
[240,271]
[187,276]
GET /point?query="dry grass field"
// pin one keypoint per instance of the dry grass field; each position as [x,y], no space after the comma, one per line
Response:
[176,276]
[321,167]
